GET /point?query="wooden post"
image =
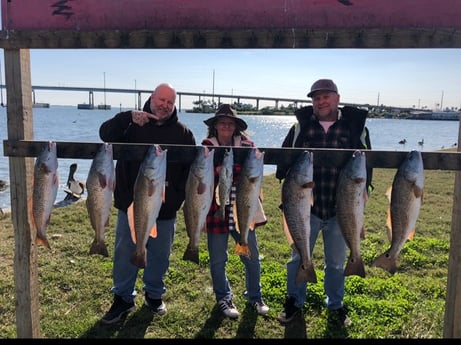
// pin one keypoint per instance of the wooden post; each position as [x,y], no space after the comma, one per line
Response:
[20,127]
[452,322]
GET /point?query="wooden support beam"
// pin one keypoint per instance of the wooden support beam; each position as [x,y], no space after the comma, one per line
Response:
[20,127]
[183,153]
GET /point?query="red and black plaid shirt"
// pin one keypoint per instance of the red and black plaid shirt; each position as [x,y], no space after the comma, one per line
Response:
[216,225]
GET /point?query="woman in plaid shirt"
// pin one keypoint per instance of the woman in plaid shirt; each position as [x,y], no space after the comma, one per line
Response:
[225,128]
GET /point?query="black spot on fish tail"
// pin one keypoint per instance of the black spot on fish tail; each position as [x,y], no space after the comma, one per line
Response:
[386,262]
[306,274]
[355,267]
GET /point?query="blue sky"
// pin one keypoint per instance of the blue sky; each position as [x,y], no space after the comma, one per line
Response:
[399,77]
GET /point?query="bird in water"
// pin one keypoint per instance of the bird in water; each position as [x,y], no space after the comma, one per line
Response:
[403,141]
[421,143]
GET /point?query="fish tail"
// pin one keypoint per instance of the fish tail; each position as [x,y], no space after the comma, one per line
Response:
[42,241]
[191,254]
[99,248]
[306,274]
[355,267]
[138,260]
[242,249]
[386,262]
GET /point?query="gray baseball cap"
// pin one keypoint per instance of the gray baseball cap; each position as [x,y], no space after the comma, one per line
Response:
[323,85]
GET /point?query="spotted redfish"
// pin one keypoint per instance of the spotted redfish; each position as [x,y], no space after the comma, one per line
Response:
[100,185]
[405,204]
[350,207]
[148,197]
[197,203]
[247,198]
[297,200]
[45,189]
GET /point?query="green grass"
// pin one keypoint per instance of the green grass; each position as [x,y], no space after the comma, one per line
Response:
[74,287]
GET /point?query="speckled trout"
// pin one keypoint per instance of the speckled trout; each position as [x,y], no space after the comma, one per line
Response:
[297,200]
[350,207]
[199,194]
[148,197]
[45,189]
[100,185]
[405,204]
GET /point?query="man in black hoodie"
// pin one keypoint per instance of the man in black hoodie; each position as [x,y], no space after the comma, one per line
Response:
[158,123]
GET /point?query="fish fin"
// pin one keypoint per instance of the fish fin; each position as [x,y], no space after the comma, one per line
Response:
[40,241]
[411,234]
[287,231]
[216,195]
[386,262]
[355,267]
[130,216]
[306,274]
[389,225]
[99,248]
[252,225]
[151,189]
[153,231]
[418,191]
[191,255]
[201,188]
[102,180]
[242,249]
[234,211]
[261,195]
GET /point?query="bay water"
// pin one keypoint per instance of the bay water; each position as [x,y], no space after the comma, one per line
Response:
[67,123]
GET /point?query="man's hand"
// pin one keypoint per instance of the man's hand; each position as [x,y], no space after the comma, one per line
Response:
[141,117]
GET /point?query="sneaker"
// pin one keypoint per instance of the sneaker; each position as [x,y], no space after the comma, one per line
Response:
[261,308]
[118,309]
[156,305]
[289,311]
[228,308]
[339,316]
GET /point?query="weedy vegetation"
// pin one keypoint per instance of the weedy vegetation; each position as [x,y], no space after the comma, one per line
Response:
[74,287]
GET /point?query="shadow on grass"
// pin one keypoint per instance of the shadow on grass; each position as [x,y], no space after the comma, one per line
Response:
[134,327]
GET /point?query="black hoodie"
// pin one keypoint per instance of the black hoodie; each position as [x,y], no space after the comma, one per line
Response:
[120,128]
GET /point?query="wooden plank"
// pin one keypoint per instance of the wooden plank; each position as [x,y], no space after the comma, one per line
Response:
[412,37]
[452,321]
[20,126]
[439,160]
[84,15]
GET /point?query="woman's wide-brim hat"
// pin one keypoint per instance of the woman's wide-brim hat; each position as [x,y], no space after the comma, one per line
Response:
[225,110]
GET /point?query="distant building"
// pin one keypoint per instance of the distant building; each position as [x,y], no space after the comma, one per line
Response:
[430,115]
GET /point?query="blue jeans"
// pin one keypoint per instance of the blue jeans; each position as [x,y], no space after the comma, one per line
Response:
[335,257]
[217,248]
[157,259]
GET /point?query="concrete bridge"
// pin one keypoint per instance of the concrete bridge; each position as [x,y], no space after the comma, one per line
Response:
[218,98]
